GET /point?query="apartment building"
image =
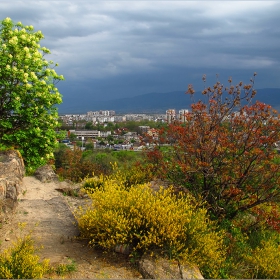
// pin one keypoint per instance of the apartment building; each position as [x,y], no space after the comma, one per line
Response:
[182,115]
[170,115]
[86,133]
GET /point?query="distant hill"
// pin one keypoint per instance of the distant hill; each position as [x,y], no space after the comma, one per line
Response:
[269,96]
[156,102]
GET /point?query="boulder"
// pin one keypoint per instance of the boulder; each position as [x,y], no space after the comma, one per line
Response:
[157,184]
[158,267]
[46,174]
[67,187]
[11,175]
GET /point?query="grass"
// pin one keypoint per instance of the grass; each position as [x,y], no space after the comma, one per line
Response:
[64,269]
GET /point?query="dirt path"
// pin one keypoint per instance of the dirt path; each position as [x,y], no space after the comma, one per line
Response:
[47,213]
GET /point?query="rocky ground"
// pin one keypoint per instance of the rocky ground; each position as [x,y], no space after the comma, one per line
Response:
[48,214]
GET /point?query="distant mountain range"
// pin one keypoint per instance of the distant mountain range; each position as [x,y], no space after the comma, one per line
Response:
[156,102]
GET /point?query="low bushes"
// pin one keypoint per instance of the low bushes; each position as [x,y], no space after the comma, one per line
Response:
[71,165]
[126,176]
[124,210]
[264,261]
[76,165]
[147,220]
[21,262]
[252,254]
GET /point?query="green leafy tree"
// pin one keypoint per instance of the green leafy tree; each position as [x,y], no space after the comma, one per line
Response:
[72,136]
[28,95]
[89,125]
[110,138]
[89,146]
[79,143]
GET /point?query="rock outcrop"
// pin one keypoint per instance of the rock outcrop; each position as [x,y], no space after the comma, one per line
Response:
[46,174]
[11,175]
[157,267]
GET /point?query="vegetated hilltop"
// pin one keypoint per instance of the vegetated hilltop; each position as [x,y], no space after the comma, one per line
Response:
[153,102]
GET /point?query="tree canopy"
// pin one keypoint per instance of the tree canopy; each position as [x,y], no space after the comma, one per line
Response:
[225,151]
[28,93]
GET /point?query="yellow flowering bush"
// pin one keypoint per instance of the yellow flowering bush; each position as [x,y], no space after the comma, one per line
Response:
[125,177]
[134,175]
[253,250]
[20,261]
[148,220]
[90,184]
[264,262]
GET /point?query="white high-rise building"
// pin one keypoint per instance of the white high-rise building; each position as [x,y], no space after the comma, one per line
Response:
[170,115]
[182,115]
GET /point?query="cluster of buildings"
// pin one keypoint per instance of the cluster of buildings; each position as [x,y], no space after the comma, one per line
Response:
[110,116]
[94,117]
[103,117]
[172,116]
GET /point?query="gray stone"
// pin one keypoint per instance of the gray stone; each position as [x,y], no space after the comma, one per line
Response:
[158,267]
[11,175]
[46,174]
[190,272]
[69,188]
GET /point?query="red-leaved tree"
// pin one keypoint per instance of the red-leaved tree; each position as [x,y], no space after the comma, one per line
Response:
[224,152]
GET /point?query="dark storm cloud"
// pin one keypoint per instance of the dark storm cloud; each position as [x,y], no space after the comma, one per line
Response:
[109,49]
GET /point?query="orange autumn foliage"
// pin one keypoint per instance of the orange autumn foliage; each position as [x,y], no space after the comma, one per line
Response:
[225,151]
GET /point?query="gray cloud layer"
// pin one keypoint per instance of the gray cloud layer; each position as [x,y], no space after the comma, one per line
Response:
[111,49]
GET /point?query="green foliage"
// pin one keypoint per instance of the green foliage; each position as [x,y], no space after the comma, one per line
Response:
[91,184]
[264,261]
[125,156]
[134,125]
[252,249]
[64,269]
[76,165]
[62,134]
[72,136]
[20,261]
[89,125]
[105,157]
[89,146]
[128,177]
[59,154]
[148,220]
[71,165]
[134,175]
[28,116]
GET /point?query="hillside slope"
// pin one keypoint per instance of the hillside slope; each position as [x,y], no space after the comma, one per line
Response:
[48,214]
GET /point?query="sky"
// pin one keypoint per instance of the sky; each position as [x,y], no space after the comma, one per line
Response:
[114,49]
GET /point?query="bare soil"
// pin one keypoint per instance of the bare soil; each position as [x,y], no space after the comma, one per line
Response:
[48,213]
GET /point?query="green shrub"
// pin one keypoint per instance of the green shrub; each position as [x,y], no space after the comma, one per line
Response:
[133,175]
[252,250]
[20,261]
[244,261]
[70,165]
[93,183]
[264,262]
[126,176]
[148,220]
[64,269]
[125,156]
